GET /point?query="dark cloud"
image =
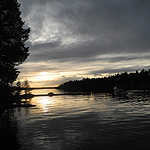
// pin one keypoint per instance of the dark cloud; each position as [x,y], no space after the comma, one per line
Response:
[55,51]
[82,52]
[130,57]
[116,25]
[43,47]
[119,70]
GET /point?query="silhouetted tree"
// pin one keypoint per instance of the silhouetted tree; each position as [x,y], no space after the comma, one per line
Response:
[18,84]
[12,41]
[26,85]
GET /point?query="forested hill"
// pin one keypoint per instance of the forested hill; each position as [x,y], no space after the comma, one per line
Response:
[129,81]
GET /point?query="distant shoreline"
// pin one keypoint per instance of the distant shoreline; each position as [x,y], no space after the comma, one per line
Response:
[36,88]
[33,88]
[127,81]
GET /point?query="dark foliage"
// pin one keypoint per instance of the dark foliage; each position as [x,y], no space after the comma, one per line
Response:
[12,41]
[130,81]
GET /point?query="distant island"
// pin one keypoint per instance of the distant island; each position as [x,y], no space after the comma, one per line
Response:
[128,81]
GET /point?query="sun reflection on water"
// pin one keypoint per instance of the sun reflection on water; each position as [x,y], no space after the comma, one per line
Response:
[45,103]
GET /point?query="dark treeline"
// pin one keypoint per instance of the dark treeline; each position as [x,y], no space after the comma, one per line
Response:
[129,81]
[13,50]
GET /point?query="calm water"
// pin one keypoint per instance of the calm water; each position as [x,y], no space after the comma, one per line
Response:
[79,122]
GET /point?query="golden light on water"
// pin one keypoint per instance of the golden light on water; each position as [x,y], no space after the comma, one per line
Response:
[44,103]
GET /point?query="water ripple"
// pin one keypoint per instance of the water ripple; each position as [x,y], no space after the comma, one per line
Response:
[98,121]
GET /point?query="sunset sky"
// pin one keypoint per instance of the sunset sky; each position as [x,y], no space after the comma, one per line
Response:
[75,39]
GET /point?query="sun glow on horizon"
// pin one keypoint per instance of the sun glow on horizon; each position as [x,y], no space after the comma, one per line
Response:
[43,76]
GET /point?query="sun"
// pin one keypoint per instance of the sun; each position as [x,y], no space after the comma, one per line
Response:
[43,76]
[44,73]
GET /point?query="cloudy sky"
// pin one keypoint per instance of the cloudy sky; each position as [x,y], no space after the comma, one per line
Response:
[75,39]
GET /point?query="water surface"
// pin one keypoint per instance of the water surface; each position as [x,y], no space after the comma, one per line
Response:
[79,122]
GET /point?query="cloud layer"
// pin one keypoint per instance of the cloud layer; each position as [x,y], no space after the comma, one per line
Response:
[85,32]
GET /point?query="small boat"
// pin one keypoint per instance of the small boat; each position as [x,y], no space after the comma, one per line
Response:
[118,92]
[50,94]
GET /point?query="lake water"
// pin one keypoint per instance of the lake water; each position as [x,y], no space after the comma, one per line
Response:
[79,122]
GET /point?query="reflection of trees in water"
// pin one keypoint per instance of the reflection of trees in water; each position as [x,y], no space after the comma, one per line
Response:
[8,131]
